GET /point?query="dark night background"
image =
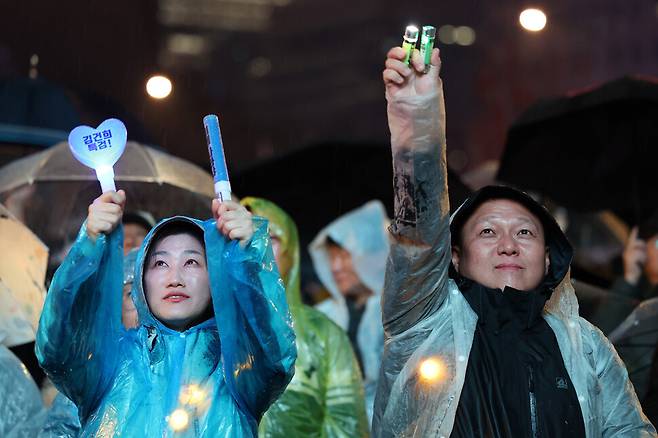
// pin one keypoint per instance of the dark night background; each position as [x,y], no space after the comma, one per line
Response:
[285,74]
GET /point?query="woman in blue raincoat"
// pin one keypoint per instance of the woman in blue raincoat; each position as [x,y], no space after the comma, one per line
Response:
[214,346]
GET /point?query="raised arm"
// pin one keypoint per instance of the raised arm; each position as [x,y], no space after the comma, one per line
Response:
[81,319]
[417,270]
[255,327]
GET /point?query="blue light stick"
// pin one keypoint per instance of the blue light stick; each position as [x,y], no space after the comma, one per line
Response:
[217,159]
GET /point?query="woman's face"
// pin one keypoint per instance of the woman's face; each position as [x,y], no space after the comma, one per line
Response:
[176,281]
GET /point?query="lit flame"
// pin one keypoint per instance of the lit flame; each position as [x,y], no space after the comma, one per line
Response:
[178,420]
[432,370]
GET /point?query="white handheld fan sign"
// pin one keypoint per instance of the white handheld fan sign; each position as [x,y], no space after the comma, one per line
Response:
[100,148]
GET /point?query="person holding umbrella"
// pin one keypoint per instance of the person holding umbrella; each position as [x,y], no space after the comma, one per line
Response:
[214,346]
[483,336]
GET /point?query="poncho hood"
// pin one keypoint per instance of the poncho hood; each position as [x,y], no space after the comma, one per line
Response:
[363,233]
[560,250]
[146,317]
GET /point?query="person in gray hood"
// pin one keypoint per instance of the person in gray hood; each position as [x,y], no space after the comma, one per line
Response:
[482,333]
[349,256]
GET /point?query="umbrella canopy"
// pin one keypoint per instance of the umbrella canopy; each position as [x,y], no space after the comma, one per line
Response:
[592,150]
[50,191]
[23,263]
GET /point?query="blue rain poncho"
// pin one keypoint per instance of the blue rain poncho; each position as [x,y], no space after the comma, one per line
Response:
[214,379]
[362,232]
[63,420]
[426,316]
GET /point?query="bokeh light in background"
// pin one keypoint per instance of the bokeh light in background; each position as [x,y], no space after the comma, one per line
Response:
[532,19]
[464,35]
[158,87]
[460,35]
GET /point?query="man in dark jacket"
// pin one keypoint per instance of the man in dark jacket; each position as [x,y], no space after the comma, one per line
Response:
[483,337]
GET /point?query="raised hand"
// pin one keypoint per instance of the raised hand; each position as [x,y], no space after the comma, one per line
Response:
[634,256]
[403,80]
[105,213]
[233,220]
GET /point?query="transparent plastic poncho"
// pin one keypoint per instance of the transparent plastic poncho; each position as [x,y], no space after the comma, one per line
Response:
[21,409]
[426,317]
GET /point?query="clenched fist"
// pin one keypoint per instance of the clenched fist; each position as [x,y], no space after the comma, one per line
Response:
[105,213]
[233,220]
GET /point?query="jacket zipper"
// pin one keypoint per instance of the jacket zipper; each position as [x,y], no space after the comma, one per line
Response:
[533,402]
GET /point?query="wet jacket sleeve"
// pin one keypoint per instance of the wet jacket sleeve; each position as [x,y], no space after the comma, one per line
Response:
[81,318]
[622,414]
[417,270]
[255,327]
[345,415]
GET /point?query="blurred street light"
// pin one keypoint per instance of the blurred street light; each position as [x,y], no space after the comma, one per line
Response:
[158,87]
[533,20]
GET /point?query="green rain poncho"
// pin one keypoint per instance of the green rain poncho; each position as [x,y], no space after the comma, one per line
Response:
[325,397]
[215,379]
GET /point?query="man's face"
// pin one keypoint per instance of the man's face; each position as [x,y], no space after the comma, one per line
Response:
[502,244]
[133,236]
[176,281]
[342,269]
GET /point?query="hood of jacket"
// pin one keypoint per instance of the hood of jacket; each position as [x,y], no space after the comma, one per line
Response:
[144,313]
[562,299]
[282,227]
[363,233]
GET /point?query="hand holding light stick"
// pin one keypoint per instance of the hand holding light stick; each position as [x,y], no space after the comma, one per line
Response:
[217,159]
[100,148]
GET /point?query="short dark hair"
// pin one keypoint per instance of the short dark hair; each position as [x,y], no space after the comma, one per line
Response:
[331,242]
[173,228]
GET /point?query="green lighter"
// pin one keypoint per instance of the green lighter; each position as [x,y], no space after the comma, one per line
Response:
[409,43]
[427,44]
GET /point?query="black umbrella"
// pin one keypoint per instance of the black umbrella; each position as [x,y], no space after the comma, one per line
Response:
[590,151]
